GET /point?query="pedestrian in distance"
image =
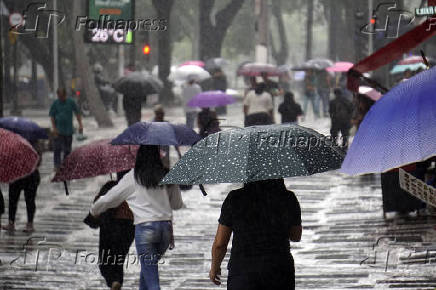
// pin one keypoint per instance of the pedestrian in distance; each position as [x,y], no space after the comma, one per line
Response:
[208,122]
[61,116]
[341,112]
[310,93]
[152,207]
[263,217]
[289,109]
[29,184]
[323,89]
[258,107]
[189,90]
[116,236]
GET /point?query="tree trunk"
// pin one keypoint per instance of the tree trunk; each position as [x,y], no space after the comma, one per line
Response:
[82,65]
[333,29]
[212,33]
[309,29]
[163,9]
[281,56]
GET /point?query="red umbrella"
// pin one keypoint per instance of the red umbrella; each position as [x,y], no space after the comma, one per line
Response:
[97,158]
[193,62]
[17,157]
[256,69]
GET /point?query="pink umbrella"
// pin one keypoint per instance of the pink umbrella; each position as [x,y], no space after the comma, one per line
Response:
[17,157]
[256,69]
[370,92]
[193,62]
[340,66]
[97,158]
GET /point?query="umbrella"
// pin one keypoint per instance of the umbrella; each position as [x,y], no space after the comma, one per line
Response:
[256,153]
[17,157]
[340,66]
[137,84]
[96,158]
[256,69]
[316,64]
[183,72]
[157,133]
[215,63]
[370,92]
[400,68]
[193,62]
[399,129]
[411,60]
[211,99]
[24,127]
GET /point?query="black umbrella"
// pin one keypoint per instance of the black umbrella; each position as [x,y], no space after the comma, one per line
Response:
[137,84]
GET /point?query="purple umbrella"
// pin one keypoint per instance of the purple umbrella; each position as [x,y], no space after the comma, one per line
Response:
[211,99]
[24,127]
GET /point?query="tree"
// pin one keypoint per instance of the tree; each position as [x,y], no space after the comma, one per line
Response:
[82,67]
[214,29]
[163,9]
[309,29]
[281,54]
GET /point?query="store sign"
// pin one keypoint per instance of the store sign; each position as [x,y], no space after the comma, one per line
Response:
[108,21]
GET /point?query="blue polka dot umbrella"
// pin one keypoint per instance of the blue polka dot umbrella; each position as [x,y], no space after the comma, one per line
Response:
[256,153]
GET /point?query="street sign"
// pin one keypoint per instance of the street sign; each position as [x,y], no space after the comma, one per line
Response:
[15,19]
[109,21]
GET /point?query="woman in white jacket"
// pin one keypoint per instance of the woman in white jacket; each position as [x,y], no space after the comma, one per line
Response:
[152,207]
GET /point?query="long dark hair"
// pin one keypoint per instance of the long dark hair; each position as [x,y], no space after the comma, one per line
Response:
[260,88]
[149,169]
[288,98]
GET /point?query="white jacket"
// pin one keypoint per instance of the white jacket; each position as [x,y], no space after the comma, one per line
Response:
[147,205]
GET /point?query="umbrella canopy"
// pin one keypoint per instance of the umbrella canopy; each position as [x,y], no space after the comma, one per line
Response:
[157,133]
[257,69]
[399,129]
[411,60]
[182,73]
[24,127]
[215,63]
[137,84]
[96,158]
[400,68]
[340,66]
[256,153]
[193,62]
[17,157]
[316,64]
[370,92]
[211,99]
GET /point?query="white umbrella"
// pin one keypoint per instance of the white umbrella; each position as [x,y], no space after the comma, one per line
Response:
[182,73]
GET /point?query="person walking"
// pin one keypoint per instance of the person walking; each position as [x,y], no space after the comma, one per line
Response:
[323,89]
[289,109]
[258,107]
[152,207]
[310,88]
[29,184]
[132,106]
[116,236]
[61,116]
[189,90]
[219,83]
[208,122]
[263,217]
[341,112]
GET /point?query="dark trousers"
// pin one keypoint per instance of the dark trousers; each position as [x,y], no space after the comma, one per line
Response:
[133,115]
[61,144]
[30,186]
[274,277]
[116,236]
[258,119]
[2,203]
[342,127]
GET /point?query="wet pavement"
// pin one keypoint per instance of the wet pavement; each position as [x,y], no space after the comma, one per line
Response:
[346,243]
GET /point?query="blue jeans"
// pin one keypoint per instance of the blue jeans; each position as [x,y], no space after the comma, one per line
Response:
[61,144]
[152,240]
[190,119]
[324,93]
[314,99]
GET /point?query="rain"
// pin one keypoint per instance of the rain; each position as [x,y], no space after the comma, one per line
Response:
[202,144]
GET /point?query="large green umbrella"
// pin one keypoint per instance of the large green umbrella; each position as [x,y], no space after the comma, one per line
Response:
[256,153]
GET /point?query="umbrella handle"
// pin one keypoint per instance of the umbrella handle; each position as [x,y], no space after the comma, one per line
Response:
[425,59]
[66,189]
[203,191]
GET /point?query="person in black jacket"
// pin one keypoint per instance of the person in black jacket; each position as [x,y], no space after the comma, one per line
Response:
[289,109]
[341,112]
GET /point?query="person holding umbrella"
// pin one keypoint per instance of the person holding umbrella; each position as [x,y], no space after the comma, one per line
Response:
[152,207]
[61,116]
[310,83]
[258,107]
[189,90]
